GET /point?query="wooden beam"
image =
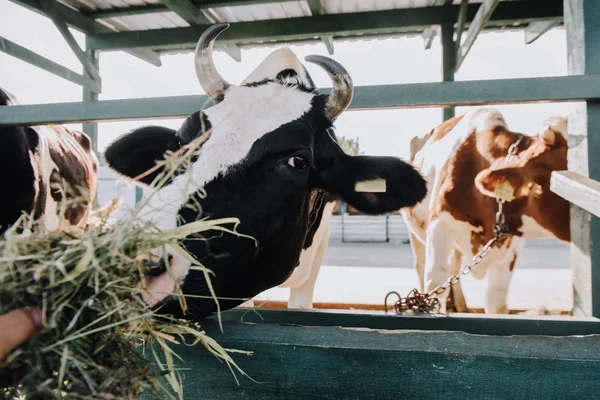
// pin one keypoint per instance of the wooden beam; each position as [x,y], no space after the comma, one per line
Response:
[460,24]
[431,94]
[328,42]
[476,324]
[316,7]
[116,12]
[299,362]
[88,26]
[582,23]
[195,16]
[428,35]
[91,129]
[364,23]
[483,16]
[24,54]
[59,22]
[537,28]
[577,189]
[448,62]
[188,11]
[232,50]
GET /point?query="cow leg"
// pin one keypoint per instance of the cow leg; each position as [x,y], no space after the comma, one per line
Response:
[418,249]
[438,245]
[499,277]
[456,300]
[302,296]
[497,289]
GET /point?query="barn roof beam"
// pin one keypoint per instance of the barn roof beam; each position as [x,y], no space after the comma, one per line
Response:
[430,33]
[460,23]
[486,9]
[430,94]
[318,8]
[188,11]
[195,16]
[306,28]
[87,25]
[159,8]
[59,22]
[538,28]
[31,57]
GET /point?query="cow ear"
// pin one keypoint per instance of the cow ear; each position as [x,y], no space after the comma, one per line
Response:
[377,185]
[136,152]
[511,183]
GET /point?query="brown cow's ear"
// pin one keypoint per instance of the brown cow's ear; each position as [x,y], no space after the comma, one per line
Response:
[135,153]
[375,185]
[504,180]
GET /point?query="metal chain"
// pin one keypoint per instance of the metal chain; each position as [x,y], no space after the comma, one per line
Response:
[426,302]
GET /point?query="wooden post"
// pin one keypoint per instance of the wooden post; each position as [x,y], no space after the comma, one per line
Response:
[582,22]
[448,62]
[91,129]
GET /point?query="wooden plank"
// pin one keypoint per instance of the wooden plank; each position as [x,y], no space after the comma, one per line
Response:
[483,16]
[582,22]
[281,304]
[88,26]
[537,28]
[432,94]
[295,362]
[188,11]
[303,28]
[24,54]
[477,324]
[578,189]
[448,62]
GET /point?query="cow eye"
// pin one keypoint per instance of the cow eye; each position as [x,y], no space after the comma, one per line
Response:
[300,163]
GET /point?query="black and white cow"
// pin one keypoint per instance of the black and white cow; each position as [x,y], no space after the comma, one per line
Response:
[271,154]
[42,167]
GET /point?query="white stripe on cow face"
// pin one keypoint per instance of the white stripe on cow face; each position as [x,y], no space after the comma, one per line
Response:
[245,115]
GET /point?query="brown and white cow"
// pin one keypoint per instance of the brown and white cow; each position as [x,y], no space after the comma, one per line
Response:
[463,160]
[45,169]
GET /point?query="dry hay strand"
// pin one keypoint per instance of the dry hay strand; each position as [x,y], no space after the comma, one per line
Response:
[99,340]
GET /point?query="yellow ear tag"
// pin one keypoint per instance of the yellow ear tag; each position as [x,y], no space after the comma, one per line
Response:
[372,186]
[504,191]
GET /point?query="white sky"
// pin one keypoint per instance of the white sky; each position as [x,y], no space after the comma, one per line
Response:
[385,132]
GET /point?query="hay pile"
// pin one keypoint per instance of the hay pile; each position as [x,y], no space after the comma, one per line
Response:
[99,340]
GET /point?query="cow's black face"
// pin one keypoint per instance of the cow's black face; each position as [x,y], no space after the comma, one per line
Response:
[271,145]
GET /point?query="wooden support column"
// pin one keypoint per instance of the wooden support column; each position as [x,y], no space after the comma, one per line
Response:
[448,62]
[582,22]
[91,129]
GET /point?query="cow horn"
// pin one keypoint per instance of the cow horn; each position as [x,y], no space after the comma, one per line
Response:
[211,81]
[342,90]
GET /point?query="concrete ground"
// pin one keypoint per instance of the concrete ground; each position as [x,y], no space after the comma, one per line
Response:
[365,272]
